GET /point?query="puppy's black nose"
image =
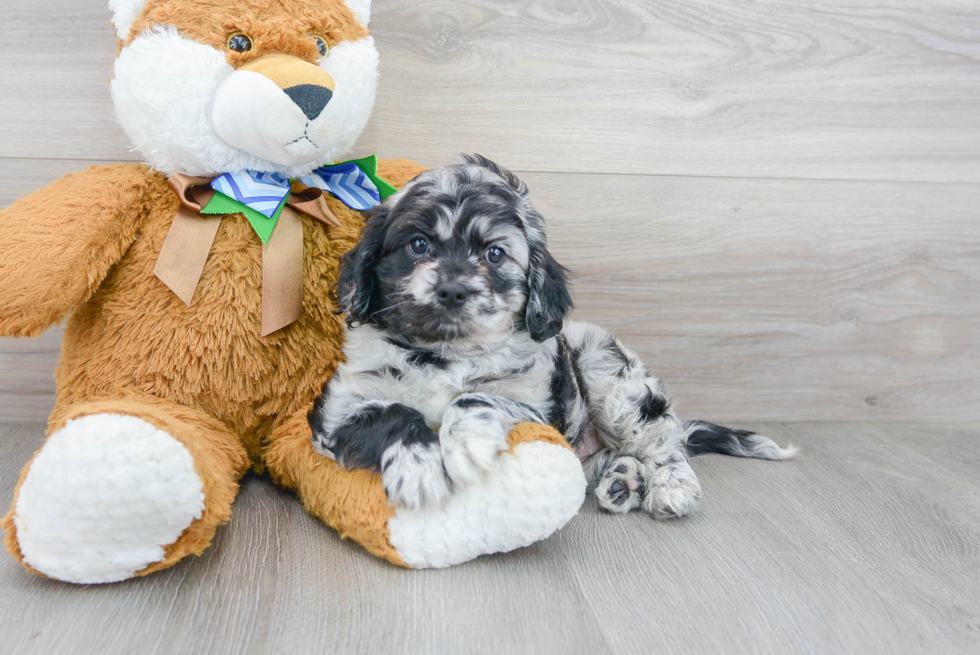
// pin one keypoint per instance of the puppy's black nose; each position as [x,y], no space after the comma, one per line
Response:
[311,98]
[452,294]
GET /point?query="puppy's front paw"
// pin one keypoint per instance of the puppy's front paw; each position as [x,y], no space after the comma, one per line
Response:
[621,487]
[471,442]
[413,475]
[672,490]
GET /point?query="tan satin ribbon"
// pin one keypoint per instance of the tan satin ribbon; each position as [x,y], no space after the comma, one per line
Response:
[188,243]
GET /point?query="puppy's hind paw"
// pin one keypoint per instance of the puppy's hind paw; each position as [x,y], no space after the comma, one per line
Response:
[471,444]
[413,476]
[621,487]
[673,490]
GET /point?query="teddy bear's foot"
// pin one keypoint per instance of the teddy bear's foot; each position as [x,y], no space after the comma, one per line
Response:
[534,489]
[123,488]
[104,497]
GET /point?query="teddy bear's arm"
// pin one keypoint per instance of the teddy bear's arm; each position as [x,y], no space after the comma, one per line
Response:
[58,243]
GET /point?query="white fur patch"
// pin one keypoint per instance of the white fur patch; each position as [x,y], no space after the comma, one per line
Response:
[756,445]
[124,12]
[164,89]
[354,67]
[268,124]
[361,9]
[422,283]
[526,498]
[104,497]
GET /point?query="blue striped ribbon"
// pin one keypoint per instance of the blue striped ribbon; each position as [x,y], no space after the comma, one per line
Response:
[348,183]
[263,192]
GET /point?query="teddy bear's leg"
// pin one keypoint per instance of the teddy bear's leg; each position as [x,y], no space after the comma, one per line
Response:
[536,487]
[123,488]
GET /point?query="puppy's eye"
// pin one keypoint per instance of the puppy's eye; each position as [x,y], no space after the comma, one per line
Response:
[418,246]
[495,255]
[240,42]
[321,45]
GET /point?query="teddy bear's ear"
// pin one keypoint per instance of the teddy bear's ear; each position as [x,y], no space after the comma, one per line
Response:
[124,12]
[361,9]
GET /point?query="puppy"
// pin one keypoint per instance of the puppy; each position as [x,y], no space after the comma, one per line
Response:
[457,331]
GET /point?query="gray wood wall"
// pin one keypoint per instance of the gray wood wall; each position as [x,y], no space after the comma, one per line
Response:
[776,203]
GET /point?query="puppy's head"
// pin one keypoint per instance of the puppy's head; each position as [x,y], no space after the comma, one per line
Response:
[458,256]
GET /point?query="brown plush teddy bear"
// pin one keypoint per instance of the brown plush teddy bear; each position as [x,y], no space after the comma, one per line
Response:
[197,297]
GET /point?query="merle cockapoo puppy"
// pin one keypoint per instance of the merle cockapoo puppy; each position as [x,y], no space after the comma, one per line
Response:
[457,331]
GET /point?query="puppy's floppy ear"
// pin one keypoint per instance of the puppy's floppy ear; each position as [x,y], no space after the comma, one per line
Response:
[515,182]
[357,283]
[548,299]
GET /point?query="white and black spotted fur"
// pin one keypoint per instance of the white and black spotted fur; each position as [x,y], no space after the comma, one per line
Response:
[457,332]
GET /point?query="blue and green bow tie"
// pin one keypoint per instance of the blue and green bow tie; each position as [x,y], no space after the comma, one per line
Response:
[261,196]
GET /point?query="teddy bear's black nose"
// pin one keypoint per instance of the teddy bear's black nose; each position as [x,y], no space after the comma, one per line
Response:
[311,98]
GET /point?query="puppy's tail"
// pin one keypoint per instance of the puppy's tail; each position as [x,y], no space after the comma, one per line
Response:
[704,437]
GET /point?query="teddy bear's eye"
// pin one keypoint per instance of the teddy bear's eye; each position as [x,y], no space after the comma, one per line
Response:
[321,45]
[240,42]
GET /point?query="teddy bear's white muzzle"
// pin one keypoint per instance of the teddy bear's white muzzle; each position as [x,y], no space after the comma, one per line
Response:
[276,107]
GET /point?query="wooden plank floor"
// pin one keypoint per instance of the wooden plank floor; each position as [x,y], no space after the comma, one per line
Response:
[868,543]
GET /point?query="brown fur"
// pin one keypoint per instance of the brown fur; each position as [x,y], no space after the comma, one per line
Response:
[527,432]
[352,502]
[84,247]
[277,26]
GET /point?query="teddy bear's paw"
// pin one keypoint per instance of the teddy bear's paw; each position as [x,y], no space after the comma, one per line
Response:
[104,497]
[529,494]
[471,443]
[413,476]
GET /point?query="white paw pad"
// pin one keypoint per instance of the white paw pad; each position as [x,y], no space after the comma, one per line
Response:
[104,497]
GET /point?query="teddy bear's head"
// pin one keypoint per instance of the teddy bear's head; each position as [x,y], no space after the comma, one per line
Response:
[204,87]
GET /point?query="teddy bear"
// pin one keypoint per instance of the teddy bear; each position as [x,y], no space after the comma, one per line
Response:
[196,294]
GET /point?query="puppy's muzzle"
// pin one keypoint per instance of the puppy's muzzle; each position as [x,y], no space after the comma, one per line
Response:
[308,86]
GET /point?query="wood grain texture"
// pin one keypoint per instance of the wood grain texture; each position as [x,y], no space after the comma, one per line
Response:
[782,299]
[27,376]
[866,90]
[868,543]
[57,61]
[832,90]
